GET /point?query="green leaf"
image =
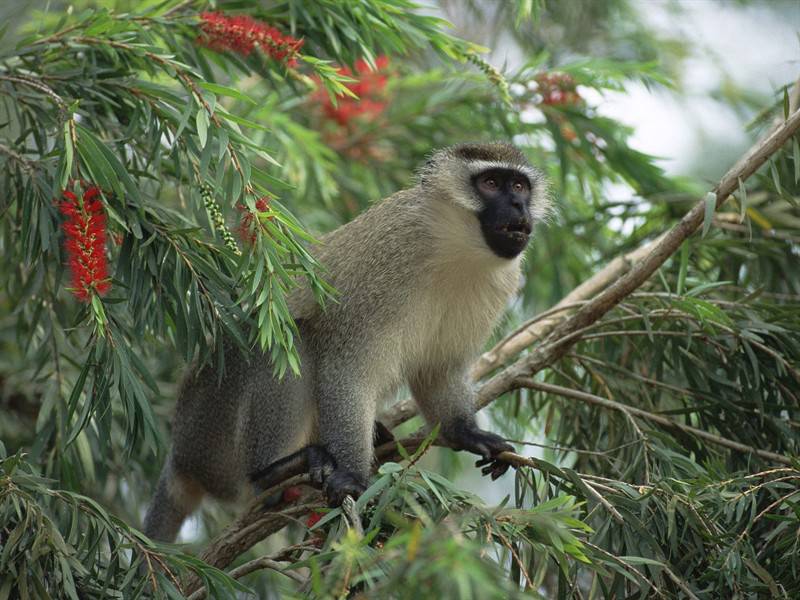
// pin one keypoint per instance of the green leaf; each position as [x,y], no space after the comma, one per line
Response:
[201,119]
[711,205]
[69,151]
[684,266]
[95,162]
[223,90]
[742,200]
[775,177]
[785,103]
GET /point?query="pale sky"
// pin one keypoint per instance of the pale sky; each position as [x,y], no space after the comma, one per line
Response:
[756,47]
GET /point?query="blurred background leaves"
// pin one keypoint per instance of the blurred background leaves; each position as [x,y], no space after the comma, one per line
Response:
[218,165]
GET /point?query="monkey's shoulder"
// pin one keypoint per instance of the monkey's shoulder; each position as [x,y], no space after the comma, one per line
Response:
[366,257]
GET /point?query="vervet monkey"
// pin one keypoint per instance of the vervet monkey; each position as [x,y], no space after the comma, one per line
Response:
[422,277]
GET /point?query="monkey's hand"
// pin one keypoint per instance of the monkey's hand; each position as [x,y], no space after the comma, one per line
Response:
[489,445]
[342,483]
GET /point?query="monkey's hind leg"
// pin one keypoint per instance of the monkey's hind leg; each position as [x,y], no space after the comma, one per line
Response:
[175,498]
[312,459]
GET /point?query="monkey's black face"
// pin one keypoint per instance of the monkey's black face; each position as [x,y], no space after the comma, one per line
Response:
[505,216]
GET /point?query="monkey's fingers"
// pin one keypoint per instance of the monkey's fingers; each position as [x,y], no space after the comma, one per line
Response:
[483,450]
[487,469]
[494,467]
[343,483]
[500,469]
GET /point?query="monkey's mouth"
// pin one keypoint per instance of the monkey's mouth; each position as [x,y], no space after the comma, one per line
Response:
[519,231]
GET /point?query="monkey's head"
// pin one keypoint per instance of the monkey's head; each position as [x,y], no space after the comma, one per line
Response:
[497,184]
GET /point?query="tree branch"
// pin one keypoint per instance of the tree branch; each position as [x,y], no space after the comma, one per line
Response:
[560,340]
[604,291]
[264,562]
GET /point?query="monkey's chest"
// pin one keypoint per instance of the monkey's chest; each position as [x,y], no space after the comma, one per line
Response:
[450,322]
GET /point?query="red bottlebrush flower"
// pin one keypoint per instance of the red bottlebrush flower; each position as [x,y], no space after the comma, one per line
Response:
[313,519]
[369,87]
[249,221]
[557,89]
[243,34]
[291,494]
[85,244]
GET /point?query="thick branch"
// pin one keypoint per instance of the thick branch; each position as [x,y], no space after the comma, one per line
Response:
[611,285]
[561,339]
[607,288]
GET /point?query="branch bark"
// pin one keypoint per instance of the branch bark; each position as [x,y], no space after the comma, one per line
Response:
[559,333]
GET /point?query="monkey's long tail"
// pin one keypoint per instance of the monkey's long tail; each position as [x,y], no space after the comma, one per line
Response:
[175,498]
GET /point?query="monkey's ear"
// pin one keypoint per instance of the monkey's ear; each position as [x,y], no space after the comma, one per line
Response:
[425,169]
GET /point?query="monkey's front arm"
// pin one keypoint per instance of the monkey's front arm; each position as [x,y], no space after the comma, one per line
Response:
[445,396]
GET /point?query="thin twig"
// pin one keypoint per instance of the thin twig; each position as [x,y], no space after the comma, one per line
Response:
[272,562]
[655,418]
[26,163]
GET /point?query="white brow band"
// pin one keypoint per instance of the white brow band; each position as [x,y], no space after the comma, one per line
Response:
[478,166]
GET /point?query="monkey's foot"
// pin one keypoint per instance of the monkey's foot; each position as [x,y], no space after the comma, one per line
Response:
[320,464]
[314,460]
[485,443]
[343,483]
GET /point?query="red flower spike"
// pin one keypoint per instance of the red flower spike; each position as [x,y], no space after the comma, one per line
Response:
[369,87]
[291,494]
[248,222]
[313,519]
[85,243]
[557,89]
[243,34]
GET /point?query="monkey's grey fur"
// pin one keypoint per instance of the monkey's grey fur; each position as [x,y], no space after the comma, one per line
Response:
[419,292]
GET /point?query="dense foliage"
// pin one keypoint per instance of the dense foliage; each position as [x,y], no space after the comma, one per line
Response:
[165,166]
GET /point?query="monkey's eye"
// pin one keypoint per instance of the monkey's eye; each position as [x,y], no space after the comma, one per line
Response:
[490,182]
[518,186]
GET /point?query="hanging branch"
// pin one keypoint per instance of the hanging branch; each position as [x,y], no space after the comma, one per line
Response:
[649,416]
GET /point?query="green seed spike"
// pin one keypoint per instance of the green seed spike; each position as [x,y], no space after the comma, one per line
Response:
[217,219]
[493,75]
